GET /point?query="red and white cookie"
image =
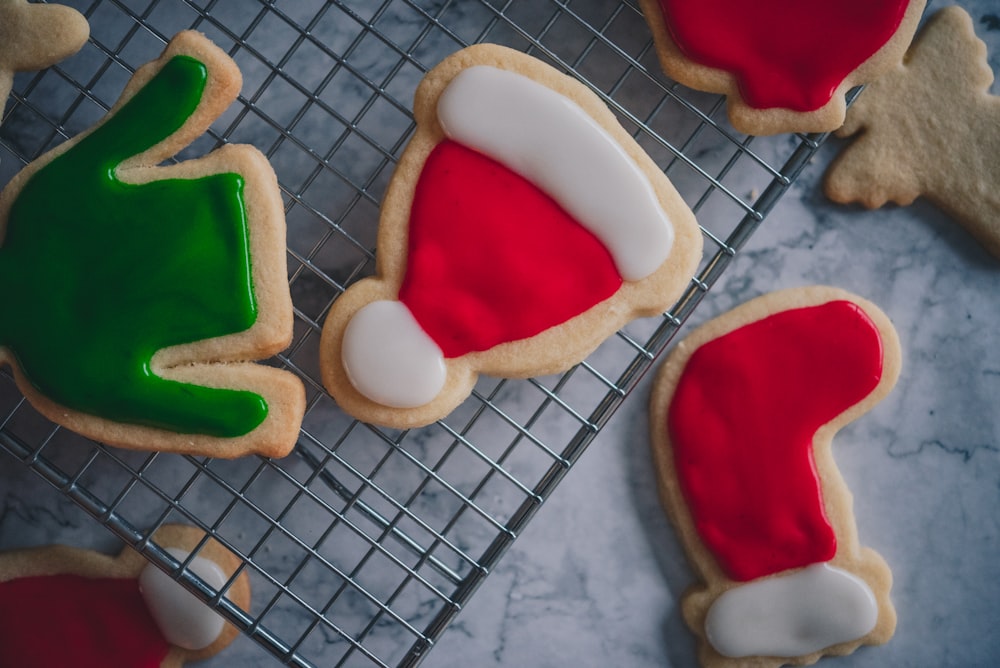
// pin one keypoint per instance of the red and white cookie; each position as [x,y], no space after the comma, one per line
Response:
[522,227]
[743,413]
[63,606]
[784,65]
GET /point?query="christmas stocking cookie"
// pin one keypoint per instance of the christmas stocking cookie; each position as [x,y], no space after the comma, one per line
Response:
[929,127]
[63,606]
[134,297]
[784,66]
[522,227]
[743,414]
[35,36]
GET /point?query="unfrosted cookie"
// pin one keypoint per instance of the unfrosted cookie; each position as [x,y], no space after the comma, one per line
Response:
[133,296]
[783,66]
[35,36]
[522,227]
[929,127]
[63,606]
[743,414]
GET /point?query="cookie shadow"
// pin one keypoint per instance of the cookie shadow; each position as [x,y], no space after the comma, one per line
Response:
[662,541]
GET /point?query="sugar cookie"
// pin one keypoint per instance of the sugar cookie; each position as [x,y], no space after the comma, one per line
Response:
[134,295]
[63,606]
[743,413]
[929,127]
[783,66]
[522,227]
[33,37]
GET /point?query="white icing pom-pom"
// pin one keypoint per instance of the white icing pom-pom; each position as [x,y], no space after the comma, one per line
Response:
[183,619]
[390,359]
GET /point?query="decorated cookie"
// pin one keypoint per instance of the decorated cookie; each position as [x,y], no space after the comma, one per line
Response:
[743,413]
[33,37]
[133,297]
[784,66]
[929,127]
[522,227]
[63,606]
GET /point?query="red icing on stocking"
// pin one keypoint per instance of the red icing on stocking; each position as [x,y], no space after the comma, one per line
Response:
[784,53]
[742,422]
[493,259]
[68,620]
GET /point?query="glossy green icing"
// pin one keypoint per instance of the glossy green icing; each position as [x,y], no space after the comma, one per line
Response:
[96,275]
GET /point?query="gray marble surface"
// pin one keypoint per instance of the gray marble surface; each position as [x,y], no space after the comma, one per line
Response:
[597,577]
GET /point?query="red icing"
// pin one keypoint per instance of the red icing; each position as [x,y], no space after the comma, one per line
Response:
[68,620]
[742,422]
[492,258]
[784,53]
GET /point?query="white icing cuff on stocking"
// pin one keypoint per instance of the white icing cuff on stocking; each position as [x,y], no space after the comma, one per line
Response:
[551,141]
[792,615]
[390,359]
[183,618]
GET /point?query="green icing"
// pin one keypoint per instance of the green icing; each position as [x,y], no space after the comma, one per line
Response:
[96,275]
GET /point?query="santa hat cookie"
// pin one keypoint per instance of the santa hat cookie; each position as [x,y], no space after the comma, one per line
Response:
[929,127]
[64,606]
[33,37]
[523,226]
[784,66]
[743,413]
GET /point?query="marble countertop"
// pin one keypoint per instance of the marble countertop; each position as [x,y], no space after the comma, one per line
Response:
[597,577]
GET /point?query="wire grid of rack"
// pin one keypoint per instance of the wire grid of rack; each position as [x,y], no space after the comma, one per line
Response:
[366,542]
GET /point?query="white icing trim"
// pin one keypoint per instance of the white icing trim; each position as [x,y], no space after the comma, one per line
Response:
[183,619]
[551,141]
[390,359]
[792,614]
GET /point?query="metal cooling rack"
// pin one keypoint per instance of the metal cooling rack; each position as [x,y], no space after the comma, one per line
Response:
[365,543]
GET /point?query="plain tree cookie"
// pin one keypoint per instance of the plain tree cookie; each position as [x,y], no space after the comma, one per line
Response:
[134,297]
[36,36]
[743,414]
[64,606]
[522,227]
[783,66]
[929,127]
